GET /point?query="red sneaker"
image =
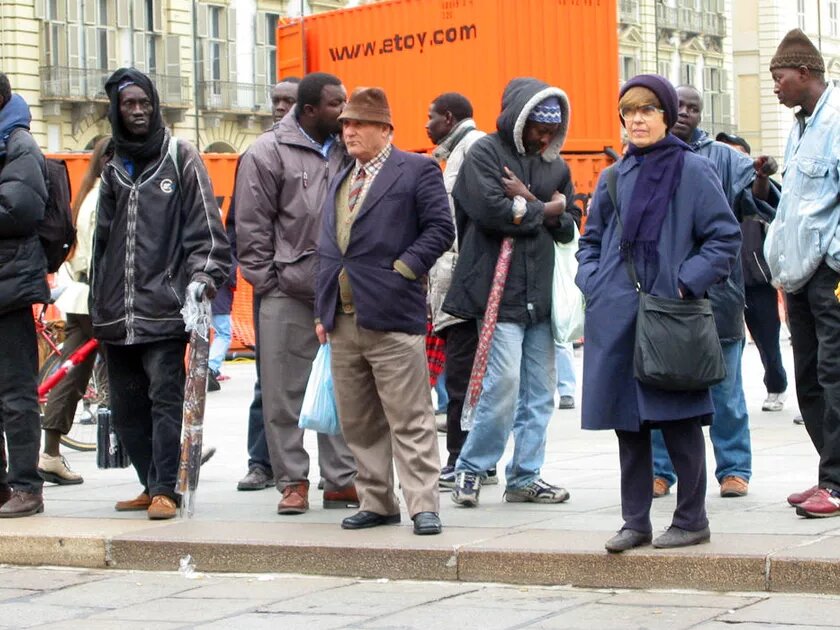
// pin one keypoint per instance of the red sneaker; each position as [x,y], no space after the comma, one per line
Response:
[798,498]
[823,503]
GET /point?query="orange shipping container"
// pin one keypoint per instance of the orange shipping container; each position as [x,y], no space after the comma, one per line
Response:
[417,49]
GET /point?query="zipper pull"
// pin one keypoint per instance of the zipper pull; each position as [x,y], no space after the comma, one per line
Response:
[305,179]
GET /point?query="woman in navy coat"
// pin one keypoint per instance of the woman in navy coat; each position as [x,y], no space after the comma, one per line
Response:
[683,238]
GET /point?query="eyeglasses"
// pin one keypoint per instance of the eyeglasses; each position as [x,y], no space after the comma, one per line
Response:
[647,112]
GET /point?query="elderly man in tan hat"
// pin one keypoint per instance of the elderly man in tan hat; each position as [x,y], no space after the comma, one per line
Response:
[803,252]
[385,222]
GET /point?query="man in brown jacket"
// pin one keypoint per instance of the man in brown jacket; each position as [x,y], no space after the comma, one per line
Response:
[280,189]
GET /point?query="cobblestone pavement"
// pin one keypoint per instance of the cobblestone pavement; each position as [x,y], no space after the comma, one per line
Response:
[71,599]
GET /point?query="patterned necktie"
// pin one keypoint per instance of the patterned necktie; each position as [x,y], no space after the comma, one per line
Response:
[356,190]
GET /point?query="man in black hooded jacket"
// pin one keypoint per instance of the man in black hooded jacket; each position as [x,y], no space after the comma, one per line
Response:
[158,236]
[23,282]
[513,184]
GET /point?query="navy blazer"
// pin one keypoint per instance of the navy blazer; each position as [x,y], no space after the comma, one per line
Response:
[405,215]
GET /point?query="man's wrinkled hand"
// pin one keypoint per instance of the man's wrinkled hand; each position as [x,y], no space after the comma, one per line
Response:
[514,186]
[321,333]
[765,166]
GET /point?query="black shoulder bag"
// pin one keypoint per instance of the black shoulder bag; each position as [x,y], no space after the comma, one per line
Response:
[677,346]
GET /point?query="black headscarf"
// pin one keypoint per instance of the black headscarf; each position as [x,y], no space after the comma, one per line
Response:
[140,149]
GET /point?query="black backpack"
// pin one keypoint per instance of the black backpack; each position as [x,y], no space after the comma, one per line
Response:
[56,229]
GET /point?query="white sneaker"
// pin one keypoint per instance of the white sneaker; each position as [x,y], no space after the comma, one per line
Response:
[774,402]
[54,469]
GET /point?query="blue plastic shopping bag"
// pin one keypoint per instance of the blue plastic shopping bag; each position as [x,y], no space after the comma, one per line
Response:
[319,412]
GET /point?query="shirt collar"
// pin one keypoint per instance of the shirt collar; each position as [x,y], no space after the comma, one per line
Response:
[323,149]
[373,166]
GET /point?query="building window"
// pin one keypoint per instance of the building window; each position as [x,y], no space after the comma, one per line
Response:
[627,69]
[215,43]
[832,17]
[271,46]
[664,69]
[800,13]
[688,73]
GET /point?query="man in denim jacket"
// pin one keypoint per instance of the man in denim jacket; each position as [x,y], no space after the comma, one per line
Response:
[803,251]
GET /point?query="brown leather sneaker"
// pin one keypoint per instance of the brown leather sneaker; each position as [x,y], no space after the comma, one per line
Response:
[733,486]
[162,508]
[341,499]
[660,487]
[138,504]
[22,504]
[295,498]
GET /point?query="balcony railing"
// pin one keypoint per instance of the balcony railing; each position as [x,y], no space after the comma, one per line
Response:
[714,24]
[240,98]
[666,17]
[61,83]
[690,21]
[628,11]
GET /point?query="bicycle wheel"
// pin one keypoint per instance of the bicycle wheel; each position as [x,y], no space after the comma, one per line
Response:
[82,435]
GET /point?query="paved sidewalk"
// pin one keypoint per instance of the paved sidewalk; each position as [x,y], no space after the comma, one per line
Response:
[88,600]
[758,543]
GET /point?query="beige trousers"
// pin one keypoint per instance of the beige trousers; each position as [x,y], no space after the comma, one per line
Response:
[385,408]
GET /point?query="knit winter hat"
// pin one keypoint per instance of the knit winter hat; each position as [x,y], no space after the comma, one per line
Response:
[797,50]
[664,91]
[547,111]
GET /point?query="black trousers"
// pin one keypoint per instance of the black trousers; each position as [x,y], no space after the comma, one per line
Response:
[687,449]
[461,341]
[147,399]
[60,409]
[257,446]
[762,317]
[19,413]
[814,316]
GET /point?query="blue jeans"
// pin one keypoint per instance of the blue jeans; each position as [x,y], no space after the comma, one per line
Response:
[564,364]
[442,396]
[518,396]
[221,342]
[730,430]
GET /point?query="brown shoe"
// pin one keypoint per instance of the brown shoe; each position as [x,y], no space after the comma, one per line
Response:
[295,498]
[138,504]
[341,499]
[22,504]
[661,487]
[733,486]
[162,508]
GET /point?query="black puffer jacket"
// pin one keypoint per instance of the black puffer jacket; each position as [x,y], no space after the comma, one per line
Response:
[154,234]
[484,215]
[23,197]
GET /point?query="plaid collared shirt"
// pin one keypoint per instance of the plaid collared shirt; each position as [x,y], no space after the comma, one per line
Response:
[372,168]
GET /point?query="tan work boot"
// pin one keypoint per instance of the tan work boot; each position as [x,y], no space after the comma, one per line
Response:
[138,504]
[54,469]
[162,508]
[295,498]
[733,486]
[660,487]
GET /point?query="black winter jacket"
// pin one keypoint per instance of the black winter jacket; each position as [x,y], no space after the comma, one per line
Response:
[485,216]
[154,234]
[23,197]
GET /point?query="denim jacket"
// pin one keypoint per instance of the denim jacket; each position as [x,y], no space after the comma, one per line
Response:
[805,231]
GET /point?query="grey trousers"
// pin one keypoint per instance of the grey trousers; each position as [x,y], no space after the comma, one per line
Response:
[288,346]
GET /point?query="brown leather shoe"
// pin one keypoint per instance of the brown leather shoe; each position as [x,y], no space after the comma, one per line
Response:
[5,493]
[660,487]
[22,504]
[162,508]
[733,486]
[295,498]
[138,504]
[340,499]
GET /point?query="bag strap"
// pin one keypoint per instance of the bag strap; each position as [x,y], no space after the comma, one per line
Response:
[172,149]
[612,185]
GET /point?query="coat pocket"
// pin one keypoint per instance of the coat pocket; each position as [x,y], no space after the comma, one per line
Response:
[813,178]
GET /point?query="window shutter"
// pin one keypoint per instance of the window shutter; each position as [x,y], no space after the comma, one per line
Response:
[202,21]
[260,78]
[61,11]
[231,24]
[40,10]
[74,58]
[260,28]
[232,76]
[726,107]
[72,11]
[123,17]
[157,17]
[140,51]
[707,80]
[60,54]
[112,50]
[91,47]
[90,11]
[140,15]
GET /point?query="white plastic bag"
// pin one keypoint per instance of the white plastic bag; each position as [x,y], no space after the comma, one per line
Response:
[319,412]
[567,305]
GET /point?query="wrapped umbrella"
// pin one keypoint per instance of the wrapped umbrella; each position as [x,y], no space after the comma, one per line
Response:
[485,336]
[197,319]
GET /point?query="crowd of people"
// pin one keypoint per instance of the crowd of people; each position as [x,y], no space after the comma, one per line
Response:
[348,240]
